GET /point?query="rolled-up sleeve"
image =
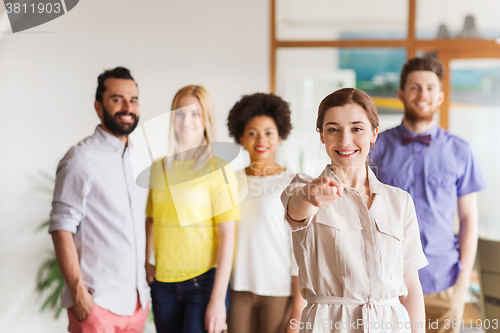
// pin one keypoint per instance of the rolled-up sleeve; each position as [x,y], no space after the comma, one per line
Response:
[73,183]
[413,255]
[299,180]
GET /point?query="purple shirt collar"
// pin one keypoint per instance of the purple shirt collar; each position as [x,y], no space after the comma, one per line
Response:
[433,131]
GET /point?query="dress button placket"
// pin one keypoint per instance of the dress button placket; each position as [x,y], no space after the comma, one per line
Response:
[418,190]
[368,234]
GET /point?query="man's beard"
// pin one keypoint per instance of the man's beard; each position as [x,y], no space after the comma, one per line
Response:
[113,125]
[414,116]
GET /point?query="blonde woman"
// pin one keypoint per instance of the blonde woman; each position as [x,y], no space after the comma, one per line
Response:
[188,293]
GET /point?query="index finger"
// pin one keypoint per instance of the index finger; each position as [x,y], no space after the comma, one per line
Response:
[335,183]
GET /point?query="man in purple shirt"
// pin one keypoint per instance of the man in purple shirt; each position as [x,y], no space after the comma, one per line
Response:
[439,171]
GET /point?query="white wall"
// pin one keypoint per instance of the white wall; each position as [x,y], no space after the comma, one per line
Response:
[326,19]
[47,81]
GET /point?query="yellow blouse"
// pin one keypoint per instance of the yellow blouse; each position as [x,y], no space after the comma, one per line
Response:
[185,214]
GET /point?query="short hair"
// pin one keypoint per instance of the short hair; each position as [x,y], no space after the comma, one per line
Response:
[421,64]
[259,104]
[117,73]
[346,96]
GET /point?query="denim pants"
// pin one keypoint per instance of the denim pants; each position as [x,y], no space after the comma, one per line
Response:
[179,307]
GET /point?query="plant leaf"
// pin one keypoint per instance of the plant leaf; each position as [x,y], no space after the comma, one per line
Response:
[44,225]
[47,176]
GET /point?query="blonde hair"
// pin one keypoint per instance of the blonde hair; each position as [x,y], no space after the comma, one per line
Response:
[202,155]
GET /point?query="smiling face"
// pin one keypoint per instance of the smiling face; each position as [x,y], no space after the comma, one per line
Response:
[189,123]
[119,110]
[422,96]
[261,138]
[347,135]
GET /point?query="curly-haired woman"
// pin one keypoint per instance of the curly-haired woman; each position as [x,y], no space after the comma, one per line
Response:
[264,292]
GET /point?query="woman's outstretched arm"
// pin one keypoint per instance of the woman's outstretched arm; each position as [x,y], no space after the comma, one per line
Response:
[305,200]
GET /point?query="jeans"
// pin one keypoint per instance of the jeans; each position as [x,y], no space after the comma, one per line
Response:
[179,307]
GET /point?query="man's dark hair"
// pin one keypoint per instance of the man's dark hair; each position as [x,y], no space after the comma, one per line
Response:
[259,104]
[117,73]
[421,64]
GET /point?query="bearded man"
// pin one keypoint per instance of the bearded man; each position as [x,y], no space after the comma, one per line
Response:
[97,218]
[438,169]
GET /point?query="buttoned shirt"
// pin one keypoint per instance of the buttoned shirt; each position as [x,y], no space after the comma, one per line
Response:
[352,259]
[97,199]
[435,176]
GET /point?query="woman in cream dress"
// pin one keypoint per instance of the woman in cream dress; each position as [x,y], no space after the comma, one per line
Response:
[356,241]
